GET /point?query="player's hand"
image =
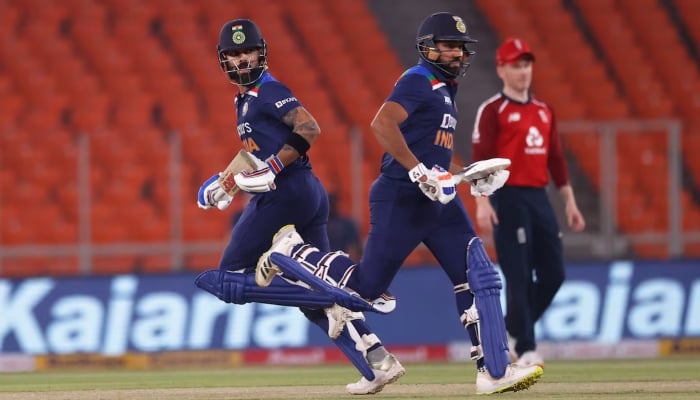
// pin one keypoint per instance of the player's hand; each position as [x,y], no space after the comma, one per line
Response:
[261,180]
[446,190]
[211,194]
[419,175]
[436,184]
[486,176]
[487,186]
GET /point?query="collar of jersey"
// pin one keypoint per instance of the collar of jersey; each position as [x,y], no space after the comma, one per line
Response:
[529,99]
[266,77]
[437,74]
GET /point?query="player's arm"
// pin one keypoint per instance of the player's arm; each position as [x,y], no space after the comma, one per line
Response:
[436,183]
[304,130]
[560,174]
[305,127]
[484,139]
[385,127]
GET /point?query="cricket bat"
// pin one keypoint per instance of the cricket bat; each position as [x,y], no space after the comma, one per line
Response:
[243,161]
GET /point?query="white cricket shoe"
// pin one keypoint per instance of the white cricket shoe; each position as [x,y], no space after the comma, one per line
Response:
[530,358]
[337,318]
[387,371]
[282,242]
[516,378]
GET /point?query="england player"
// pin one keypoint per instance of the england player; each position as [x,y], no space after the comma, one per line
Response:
[516,125]
[275,127]
[413,201]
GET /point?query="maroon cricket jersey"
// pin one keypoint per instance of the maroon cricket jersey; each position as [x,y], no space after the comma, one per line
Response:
[525,133]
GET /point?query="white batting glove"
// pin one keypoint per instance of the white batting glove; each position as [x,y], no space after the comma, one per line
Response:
[436,183]
[211,194]
[487,186]
[261,180]
[446,190]
[420,175]
[485,176]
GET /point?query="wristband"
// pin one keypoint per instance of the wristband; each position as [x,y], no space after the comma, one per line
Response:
[417,172]
[275,164]
[299,144]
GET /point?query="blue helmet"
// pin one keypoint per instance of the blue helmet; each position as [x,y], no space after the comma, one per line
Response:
[237,36]
[444,27]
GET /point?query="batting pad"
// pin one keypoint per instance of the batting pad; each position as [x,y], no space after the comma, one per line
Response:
[240,288]
[293,269]
[486,286]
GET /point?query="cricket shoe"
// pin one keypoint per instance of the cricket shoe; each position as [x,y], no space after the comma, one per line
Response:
[337,318]
[516,378]
[530,358]
[387,371]
[283,242]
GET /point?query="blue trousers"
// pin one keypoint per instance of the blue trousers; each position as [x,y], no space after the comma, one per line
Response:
[299,199]
[401,217]
[529,248]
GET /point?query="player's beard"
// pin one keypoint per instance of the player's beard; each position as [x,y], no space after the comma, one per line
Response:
[453,67]
[244,70]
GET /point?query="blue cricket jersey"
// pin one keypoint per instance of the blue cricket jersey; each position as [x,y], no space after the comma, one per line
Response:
[299,198]
[429,99]
[260,112]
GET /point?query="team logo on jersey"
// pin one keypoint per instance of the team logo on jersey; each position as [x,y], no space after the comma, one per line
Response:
[534,141]
[238,35]
[244,111]
[514,117]
[461,26]
[543,116]
[448,100]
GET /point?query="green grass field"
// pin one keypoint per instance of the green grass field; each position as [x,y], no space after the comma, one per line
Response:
[668,378]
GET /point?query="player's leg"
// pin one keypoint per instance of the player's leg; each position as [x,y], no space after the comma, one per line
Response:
[240,288]
[399,217]
[547,253]
[513,239]
[365,351]
[481,312]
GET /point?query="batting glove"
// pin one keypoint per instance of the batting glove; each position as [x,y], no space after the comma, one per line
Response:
[446,190]
[211,194]
[436,183]
[261,180]
[486,176]
[420,175]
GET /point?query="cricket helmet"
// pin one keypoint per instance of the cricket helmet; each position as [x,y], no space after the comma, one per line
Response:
[444,27]
[237,36]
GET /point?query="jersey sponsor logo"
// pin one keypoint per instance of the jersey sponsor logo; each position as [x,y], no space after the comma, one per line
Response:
[448,122]
[250,145]
[281,103]
[444,137]
[534,141]
[244,128]
[514,117]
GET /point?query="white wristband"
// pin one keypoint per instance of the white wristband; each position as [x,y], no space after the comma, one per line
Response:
[417,172]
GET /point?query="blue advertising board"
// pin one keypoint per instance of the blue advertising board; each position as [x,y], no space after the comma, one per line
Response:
[113,315]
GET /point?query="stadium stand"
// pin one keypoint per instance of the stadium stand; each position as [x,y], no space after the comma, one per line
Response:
[130,81]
